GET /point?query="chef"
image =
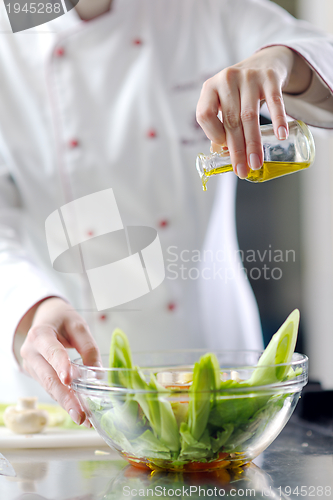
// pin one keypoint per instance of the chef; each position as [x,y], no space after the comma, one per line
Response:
[105,98]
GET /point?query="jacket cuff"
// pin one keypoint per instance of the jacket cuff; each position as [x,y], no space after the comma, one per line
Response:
[315,105]
[31,288]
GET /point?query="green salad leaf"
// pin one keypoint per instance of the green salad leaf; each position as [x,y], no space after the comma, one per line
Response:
[157,409]
[194,448]
[217,416]
[147,444]
[279,351]
[206,381]
[120,357]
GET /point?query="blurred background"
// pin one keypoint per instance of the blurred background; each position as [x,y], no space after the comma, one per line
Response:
[285,230]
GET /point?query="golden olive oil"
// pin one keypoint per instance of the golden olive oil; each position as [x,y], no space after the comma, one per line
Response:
[269,170]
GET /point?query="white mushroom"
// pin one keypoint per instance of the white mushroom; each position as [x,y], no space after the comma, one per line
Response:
[25,417]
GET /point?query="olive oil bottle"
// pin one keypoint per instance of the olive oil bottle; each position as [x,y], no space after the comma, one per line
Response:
[284,157]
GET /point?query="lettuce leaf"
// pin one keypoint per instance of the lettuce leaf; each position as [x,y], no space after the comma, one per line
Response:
[192,448]
[146,422]
[115,434]
[279,351]
[120,357]
[206,381]
[147,445]
[157,409]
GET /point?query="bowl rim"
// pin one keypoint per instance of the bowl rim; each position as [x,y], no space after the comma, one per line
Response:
[300,380]
[302,358]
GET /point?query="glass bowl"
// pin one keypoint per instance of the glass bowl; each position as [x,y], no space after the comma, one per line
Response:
[151,428]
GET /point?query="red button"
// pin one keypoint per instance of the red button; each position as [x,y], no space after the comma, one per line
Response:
[163,223]
[59,51]
[90,233]
[103,317]
[151,133]
[171,306]
[73,143]
[137,41]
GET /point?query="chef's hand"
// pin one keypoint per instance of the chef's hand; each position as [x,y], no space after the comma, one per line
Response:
[55,327]
[236,92]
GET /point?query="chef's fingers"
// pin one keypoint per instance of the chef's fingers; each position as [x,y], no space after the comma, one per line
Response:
[81,339]
[208,108]
[43,339]
[274,100]
[43,372]
[230,99]
[250,108]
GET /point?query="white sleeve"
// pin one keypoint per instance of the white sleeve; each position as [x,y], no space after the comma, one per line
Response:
[22,284]
[256,24]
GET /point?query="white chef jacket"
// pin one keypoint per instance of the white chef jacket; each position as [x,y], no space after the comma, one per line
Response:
[110,103]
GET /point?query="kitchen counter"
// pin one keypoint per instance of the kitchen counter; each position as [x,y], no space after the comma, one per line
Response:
[298,464]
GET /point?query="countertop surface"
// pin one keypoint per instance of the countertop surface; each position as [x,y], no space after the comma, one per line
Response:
[299,464]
